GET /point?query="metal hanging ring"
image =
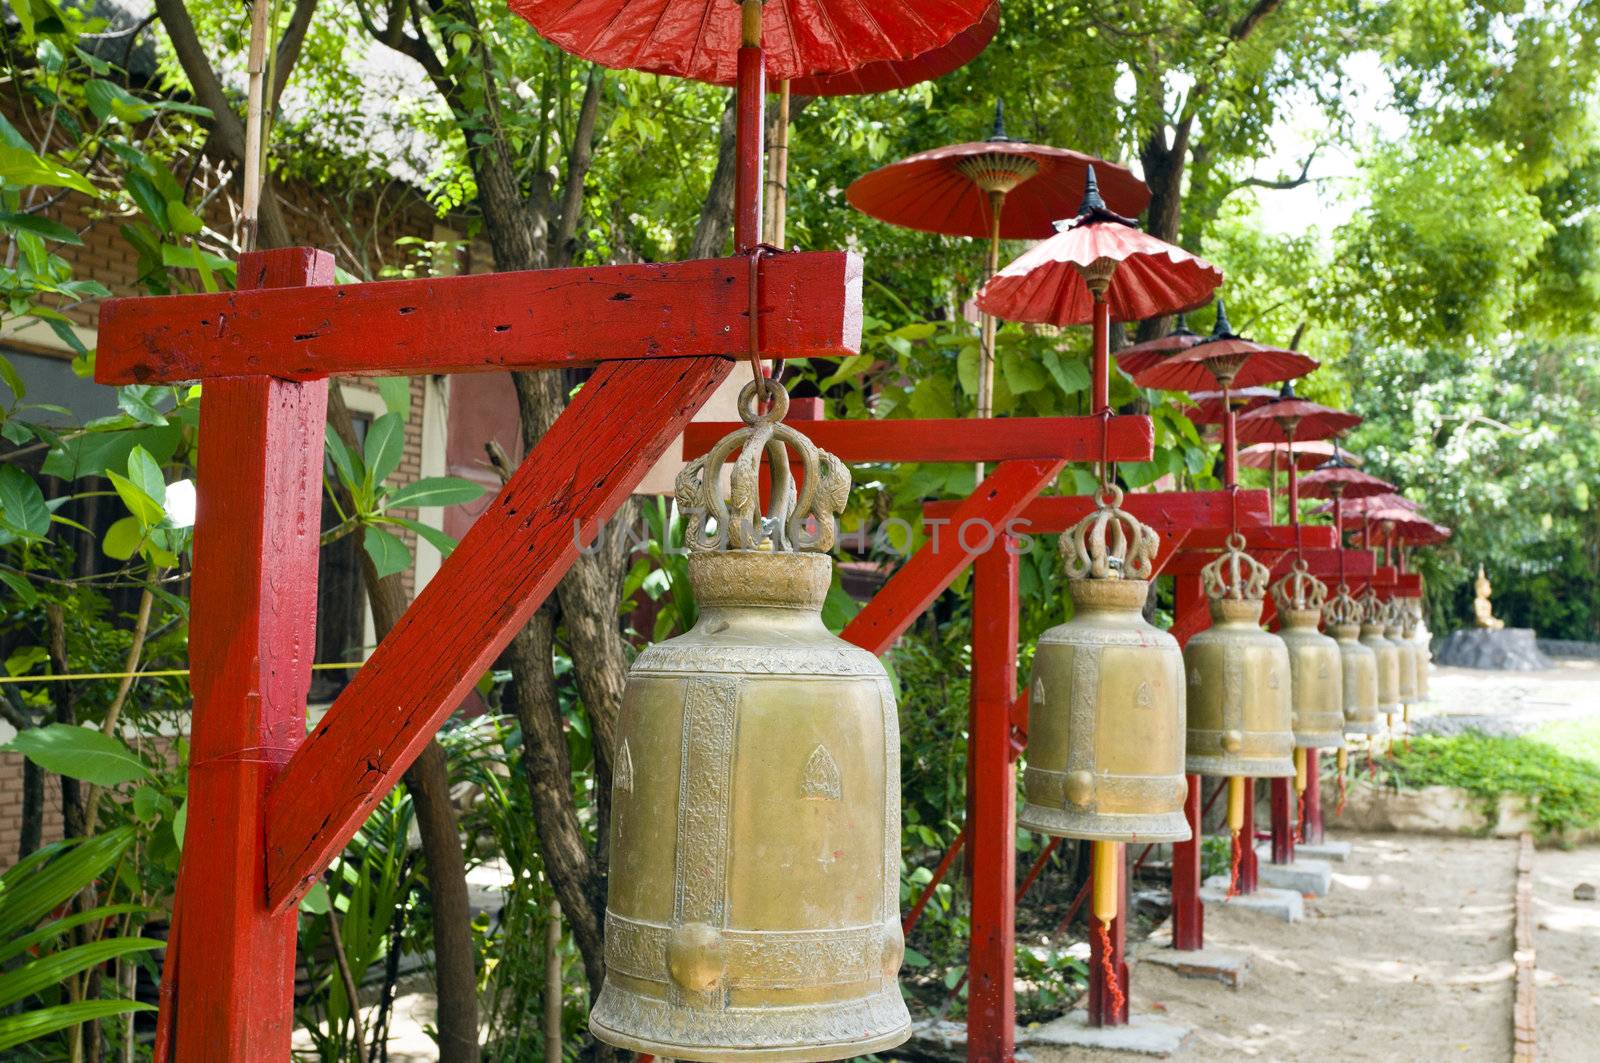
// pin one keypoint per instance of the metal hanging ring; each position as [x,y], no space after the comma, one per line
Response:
[1108,495]
[1235,541]
[767,389]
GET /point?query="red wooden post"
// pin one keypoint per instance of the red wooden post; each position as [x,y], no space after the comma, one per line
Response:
[251,642]
[1312,834]
[991,1003]
[1283,821]
[1188,914]
[1249,865]
[1105,1007]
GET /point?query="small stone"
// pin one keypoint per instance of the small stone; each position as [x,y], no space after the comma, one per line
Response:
[1583,891]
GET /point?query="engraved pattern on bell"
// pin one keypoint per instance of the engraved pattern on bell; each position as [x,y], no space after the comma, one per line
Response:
[753,902]
[1360,664]
[1240,716]
[1315,666]
[1373,619]
[1105,754]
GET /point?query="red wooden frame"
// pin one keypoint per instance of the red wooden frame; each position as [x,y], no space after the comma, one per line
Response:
[270,806]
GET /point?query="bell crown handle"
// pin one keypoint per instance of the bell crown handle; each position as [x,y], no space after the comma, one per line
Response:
[1235,574]
[1342,610]
[1110,543]
[1300,590]
[739,523]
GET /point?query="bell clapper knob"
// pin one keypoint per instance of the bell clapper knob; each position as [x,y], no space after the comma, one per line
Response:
[1105,857]
[1300,770]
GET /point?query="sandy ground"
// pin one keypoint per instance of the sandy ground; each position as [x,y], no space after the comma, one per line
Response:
[1408,958]
[1566,942]
[1518,701]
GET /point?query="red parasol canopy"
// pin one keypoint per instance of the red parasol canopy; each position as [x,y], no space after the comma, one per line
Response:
[1331,479]
[1141,356]
[1150,278]
[699,39]
[1306,455]
[1224,360]
[946,190]
[1208,406]
[890,74]
[1288,418]
[1420,531]
[1368,506]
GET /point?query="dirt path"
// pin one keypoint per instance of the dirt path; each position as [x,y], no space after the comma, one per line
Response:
[1566,940]
[1408,958]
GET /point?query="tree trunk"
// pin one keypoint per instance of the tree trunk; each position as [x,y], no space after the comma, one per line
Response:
[32,809]
[428,780]
[64,698]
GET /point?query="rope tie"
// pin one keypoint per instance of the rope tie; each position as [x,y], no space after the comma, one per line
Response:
[1233,867]
[1110,971]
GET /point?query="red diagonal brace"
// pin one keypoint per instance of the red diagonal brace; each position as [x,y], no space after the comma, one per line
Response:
[621,421]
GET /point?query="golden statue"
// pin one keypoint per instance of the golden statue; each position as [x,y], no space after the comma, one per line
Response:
[1482,610]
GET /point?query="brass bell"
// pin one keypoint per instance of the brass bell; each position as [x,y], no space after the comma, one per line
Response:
[1360,680]
[1105,711]
[1373,619]
[1240,720]
[753,904]
[1393,620]
[1315,666]
[1420,655]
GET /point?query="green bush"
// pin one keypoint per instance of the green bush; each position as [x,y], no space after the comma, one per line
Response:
[1564,791]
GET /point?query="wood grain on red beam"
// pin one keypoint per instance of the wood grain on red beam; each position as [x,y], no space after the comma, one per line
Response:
[539,319]
[1268,537]
[1165,511]
[511,559]
[960,440]
[929,571]
[1324,564]
[1410,585]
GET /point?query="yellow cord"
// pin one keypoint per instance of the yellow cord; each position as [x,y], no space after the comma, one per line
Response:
[1235,803]
[1106,878]
[1300,770]
[157,673]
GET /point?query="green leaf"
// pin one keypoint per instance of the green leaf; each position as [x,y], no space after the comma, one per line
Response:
[1070,376]
[31,223]
[123,539]
[396,392]
[18,946]
[916,959]
[389,554]
[137,401]
[8,373]
[434,491]
[141,505]
[1022,374]
[180,822]
[386,441]
[92,453]
[445,544]
[20,587]
[22,167]
[47,879]
[344,463]
[40,1022]
[934,396]
[107,99]
[146,473]
[316,899]
[80,753]
[149,199]
[54,968]
[24,13]
[22,503]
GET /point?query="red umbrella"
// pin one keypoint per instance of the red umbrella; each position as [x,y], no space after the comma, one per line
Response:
[1421,532]
[1141,356]
[890,74]
[1363,507]
[1225,360]
[700,39]
[1097,267]
[1275,455]
[1288,418]
[1339,482]
[1209,407]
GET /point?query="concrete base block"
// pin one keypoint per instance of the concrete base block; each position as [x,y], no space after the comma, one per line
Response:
[1144,1035]
[1303,876]
[1336,852]
[1286,905]
[1220,964]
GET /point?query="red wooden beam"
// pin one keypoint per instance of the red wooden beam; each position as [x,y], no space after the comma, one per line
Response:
[539,319]
[991,956]
[999,439]
[1165,511]
[507,564]
[936,564]
[254,605]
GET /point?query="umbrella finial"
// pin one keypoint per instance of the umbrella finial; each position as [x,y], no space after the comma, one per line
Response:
[1287,391]
[1221,329]
[1091,193]
[1182,326]
[999,132]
